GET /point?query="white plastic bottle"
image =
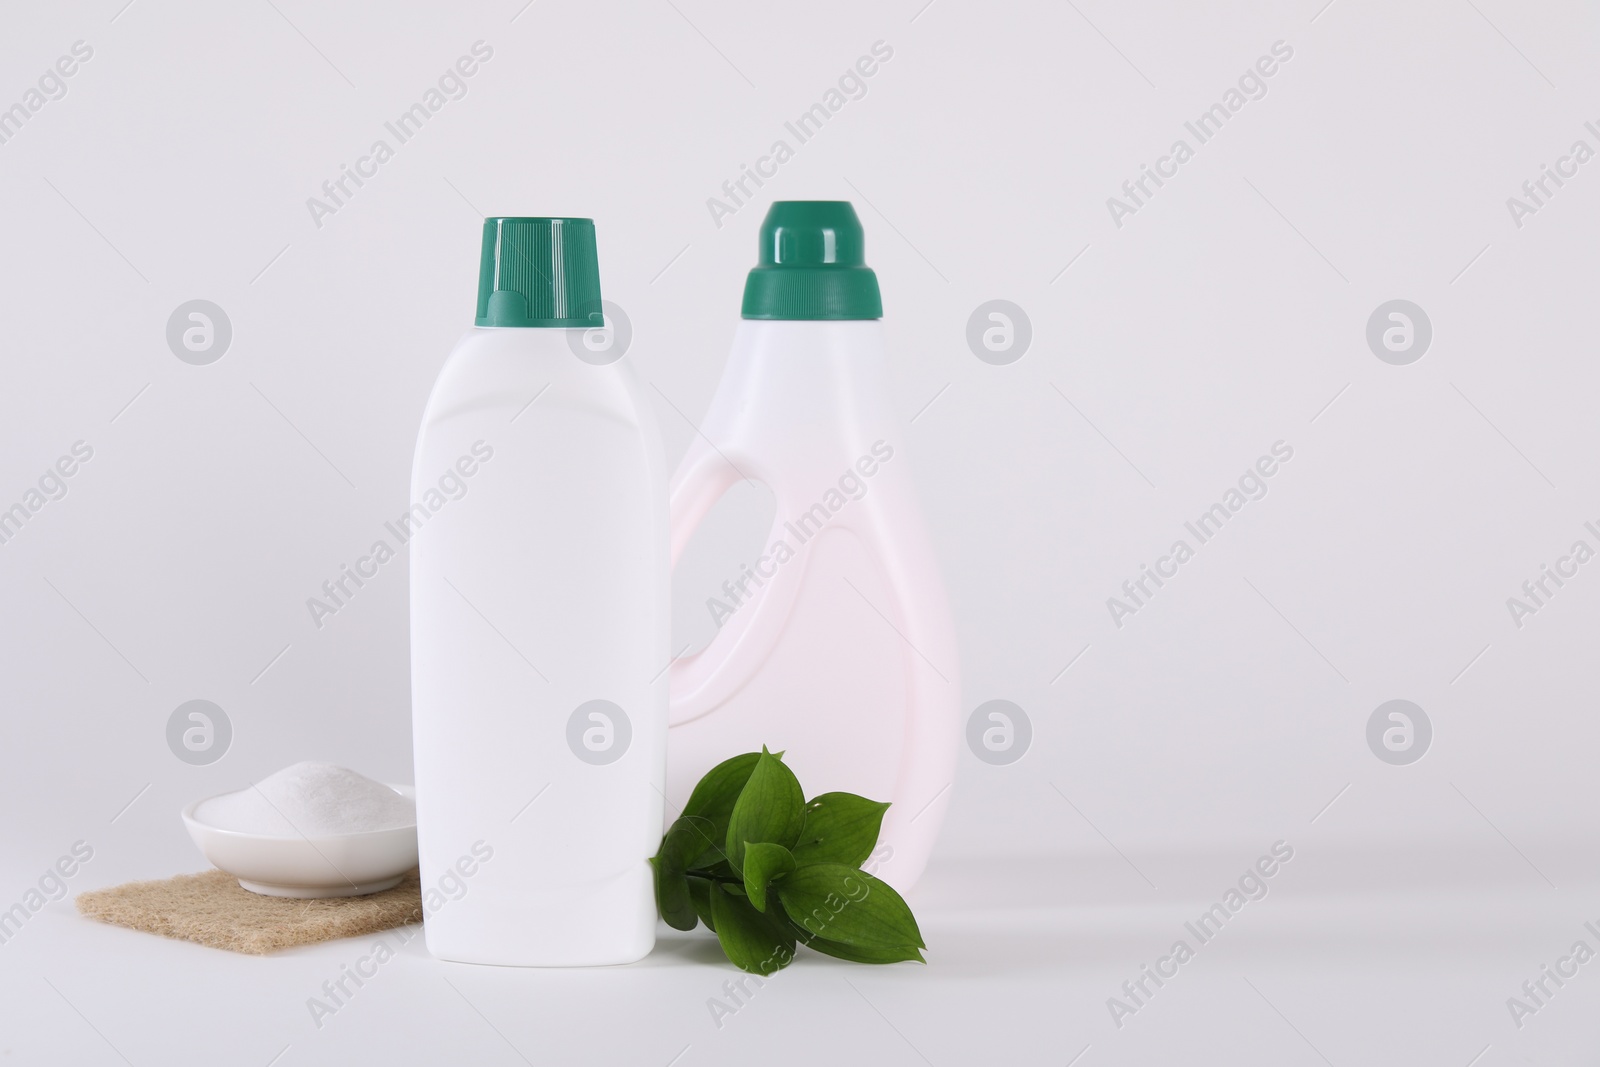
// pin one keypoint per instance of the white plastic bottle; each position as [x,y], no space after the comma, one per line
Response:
[539,622]
[835,645]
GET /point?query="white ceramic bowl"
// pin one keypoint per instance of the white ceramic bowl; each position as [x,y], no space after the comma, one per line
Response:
[343,865]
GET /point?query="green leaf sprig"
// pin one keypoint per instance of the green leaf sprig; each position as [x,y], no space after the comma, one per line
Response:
[765,870]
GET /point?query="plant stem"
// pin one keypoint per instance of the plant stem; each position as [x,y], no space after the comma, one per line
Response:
[716,878]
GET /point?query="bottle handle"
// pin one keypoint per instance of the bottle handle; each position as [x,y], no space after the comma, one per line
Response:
[704,681]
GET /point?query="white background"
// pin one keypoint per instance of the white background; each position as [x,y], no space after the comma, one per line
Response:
[1168,353]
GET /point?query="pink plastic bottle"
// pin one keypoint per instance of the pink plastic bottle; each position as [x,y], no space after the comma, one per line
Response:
[835,645]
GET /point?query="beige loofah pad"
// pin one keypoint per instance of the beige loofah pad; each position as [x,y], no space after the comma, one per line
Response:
[211,909]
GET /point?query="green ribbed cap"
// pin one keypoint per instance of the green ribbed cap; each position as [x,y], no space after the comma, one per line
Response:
[812,265]
[539,272]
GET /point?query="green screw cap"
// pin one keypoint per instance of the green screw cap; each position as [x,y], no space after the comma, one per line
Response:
[539,272]
[812,265]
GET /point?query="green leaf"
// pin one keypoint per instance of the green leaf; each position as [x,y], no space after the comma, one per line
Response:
[771,808]
[754,942]
[700,897]
[685,840]
[764,861]
[841,904]
[855,954]
[672,897]
[839,828]
[713,799]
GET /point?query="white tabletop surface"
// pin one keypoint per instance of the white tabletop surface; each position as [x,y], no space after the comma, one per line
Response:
[1385,957]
